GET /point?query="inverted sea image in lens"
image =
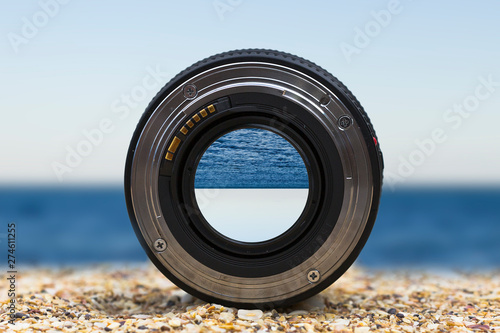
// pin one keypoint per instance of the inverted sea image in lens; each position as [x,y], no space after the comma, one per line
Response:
[251,185]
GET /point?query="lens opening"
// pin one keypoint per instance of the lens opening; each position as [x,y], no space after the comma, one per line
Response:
[251,185]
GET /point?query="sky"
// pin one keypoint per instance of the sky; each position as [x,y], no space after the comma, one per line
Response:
[74,72]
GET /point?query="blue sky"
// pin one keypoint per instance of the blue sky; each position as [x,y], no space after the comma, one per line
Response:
[412,71]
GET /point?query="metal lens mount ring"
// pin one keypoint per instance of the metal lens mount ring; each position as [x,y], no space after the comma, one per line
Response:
[254,89]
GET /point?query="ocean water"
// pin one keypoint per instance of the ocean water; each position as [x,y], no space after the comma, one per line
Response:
[416,227]
[251,158]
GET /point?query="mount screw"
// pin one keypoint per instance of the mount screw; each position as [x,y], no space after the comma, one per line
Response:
[160,245]
[190,91]
[344,122]
[313,276]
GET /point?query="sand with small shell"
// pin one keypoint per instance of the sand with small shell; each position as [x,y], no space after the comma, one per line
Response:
[139,299]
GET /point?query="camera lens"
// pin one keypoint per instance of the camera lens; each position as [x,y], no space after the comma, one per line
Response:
[253,179]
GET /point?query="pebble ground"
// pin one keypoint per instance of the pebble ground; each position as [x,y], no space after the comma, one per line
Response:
[140,299]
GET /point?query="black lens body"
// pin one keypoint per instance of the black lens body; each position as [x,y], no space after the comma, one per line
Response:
[286,95]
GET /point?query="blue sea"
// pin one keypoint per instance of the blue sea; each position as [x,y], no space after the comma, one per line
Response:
[251,158]
[416,227]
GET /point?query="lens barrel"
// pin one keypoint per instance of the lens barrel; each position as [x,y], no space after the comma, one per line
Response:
[267,90]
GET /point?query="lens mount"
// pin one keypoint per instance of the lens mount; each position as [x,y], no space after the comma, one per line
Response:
[267,90]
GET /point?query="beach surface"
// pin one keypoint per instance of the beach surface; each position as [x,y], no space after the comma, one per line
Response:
[121,298]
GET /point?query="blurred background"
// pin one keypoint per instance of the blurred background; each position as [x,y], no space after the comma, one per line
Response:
[77,75]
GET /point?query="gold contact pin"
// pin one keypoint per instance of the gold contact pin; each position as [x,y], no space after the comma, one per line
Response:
[211,108]
[184,130]
[196,118]
[190,123]
[169,156]
[203,113]
[174,144]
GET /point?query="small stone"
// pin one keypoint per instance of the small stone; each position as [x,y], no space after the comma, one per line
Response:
[141,316]
[298,313]
[21,315]
[201,311]
[175,322]
[226,317]
[343,322]
[114,325]
[432,326]
[363,329]
[400,315]
[250,314]
[392,311]
[485,328]
[187,298]
[316,302]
